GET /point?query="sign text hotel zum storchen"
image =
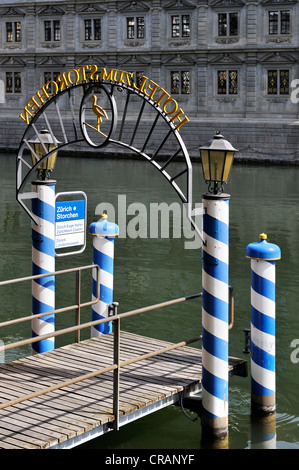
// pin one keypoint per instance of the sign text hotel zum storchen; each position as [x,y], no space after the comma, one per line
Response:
[91,73]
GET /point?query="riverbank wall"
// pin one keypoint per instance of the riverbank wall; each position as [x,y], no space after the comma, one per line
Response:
[257,140]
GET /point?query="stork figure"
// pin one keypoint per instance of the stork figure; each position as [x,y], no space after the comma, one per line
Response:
[98,111]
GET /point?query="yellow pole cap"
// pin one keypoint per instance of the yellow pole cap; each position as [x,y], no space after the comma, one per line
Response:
[263,236]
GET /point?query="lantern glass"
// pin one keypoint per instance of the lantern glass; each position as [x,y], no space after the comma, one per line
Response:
[43,144]
[217,159]
[47,164]
[205,164]
[228,164]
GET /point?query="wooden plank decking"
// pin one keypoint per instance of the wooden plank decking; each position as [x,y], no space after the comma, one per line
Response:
[65,417]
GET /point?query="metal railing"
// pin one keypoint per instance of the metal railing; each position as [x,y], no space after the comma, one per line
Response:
[113,316]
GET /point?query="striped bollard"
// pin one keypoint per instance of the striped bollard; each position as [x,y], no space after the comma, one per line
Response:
[43,261]
[262,345]
[104,233]
[215,313]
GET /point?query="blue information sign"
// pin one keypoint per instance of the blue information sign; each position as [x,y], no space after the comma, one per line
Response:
[70,210]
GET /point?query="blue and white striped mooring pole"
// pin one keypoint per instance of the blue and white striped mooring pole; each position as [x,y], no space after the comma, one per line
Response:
[262,337]
[215,313]
[43,261]
[104,233]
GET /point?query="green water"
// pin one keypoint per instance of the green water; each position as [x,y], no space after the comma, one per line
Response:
[151,270]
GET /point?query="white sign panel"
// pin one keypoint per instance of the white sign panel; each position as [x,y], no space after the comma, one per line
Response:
[70,223]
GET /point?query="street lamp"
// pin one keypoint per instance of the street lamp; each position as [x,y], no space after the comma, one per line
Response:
[41,145]
[216,158]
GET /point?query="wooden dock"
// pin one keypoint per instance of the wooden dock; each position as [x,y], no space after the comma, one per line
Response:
[69,416]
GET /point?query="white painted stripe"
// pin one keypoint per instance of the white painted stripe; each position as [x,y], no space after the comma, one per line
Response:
[215,326]
[263,340]
[100,307]
[41,327]
[94,333]
[215,287]
[214,405]
[214,365]
[45,194]
[262,304]
[104,246]
[216,248]
[218,210]
[106,279]
[43,260]
[263,269]
[263,376]
[44,227]
[43,294]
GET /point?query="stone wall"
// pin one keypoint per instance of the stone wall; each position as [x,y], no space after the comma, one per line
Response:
[257,140]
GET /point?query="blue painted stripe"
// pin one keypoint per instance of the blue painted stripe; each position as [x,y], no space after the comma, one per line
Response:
[43,345]
[215,268]
[215,346]
[104,261]
[258,389]
[262,358]
[43,244]
[263,286]
[215,228]
[262,322]
[106,293]
[43,210]
[41,307]
[105,328]
[214,385]
[214,306]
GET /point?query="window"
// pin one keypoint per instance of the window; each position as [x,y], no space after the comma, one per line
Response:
[135,28]
[180,83]
[13,82]
[228,24]
[50,76]
[279,22]
[227,81]
[13,31]
[92,29]
[52,30]
[278,82]
[180,26]
[138,78]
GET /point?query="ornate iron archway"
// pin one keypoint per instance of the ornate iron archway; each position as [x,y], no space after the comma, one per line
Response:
[102,110]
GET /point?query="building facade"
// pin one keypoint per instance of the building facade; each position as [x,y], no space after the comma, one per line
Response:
[230,64]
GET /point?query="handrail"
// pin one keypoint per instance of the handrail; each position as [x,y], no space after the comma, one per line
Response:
[78,305]
[71,329]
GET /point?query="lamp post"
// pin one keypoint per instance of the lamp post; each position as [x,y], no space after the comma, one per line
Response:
[43,239]
[216,158]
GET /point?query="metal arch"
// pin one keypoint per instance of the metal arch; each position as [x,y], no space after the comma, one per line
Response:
[73,134]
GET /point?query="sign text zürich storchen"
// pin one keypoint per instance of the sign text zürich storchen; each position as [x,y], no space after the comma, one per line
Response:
[91,73]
